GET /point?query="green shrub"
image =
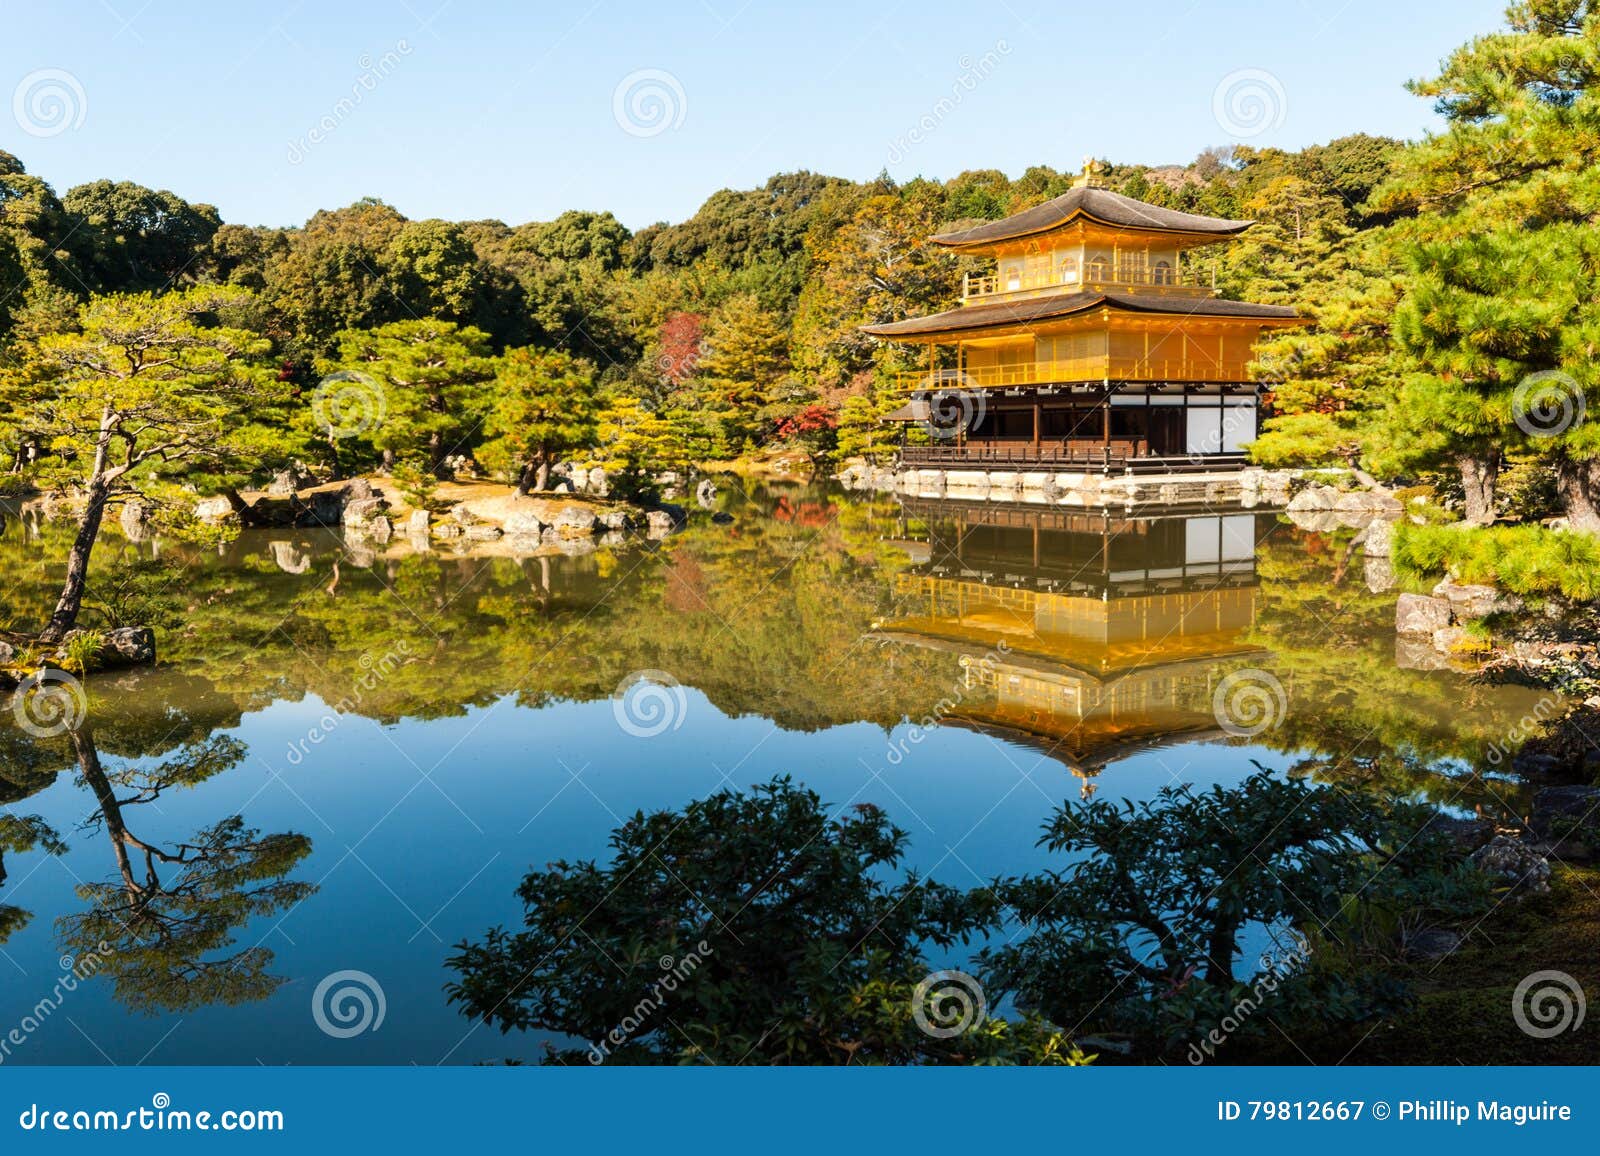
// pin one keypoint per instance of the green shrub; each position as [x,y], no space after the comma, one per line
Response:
[1527,560]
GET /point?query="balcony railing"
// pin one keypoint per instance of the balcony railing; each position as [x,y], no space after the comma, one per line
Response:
[1080,369]
[1119,455]
[1177,280]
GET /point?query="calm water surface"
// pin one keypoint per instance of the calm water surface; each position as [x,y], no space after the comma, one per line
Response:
[348,759]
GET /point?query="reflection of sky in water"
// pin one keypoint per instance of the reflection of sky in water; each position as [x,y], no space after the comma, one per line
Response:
[422,830]
[409,865]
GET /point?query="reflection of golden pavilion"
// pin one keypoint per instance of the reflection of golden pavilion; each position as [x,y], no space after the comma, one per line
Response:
[1085,635]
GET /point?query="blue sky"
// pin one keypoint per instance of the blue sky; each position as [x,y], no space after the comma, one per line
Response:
[271,110]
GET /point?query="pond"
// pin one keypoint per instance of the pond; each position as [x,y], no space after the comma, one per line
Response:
[348,758]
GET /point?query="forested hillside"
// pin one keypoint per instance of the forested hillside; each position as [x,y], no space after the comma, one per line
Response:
[1449,283]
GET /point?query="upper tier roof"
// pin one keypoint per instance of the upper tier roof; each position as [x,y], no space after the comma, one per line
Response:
[1096,204]
[998,314]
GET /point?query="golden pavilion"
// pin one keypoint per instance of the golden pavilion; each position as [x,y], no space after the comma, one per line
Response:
[1097,340]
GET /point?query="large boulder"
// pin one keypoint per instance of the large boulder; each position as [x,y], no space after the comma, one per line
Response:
[326,506]
[1420,614]
[524,524]
[1314,498]
[359,510]
[119,647]
[1474,601]
[705,494]
[1368,502]
[215,510]
[1568,819]
[574,521]
[285,483]
[272,511]
[483,532]
[8,653]
[129,646]
[1513,863]
[417,524]
[614,520]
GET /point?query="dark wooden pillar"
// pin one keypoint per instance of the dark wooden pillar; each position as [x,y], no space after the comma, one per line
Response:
[1105,419]
[1038,422]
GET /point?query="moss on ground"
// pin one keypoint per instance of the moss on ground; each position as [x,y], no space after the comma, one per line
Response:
[1464,1015]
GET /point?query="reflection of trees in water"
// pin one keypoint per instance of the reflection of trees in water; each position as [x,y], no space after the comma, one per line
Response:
[20,834]
[166,924]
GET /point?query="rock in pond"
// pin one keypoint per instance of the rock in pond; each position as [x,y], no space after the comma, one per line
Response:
[1474,601]
[1420,614]
[121,646]
[574,521]
[524,524]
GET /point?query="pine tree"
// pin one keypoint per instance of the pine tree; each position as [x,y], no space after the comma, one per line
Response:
[545,407]
[410,387]
[1500,329]
[145,387]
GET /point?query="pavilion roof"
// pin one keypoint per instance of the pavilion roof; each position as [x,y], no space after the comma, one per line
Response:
[1096,204]
[1000,314]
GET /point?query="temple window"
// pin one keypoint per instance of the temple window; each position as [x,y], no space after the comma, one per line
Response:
[1162,274]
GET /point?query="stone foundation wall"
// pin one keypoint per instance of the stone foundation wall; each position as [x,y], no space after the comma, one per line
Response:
[1248,488]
